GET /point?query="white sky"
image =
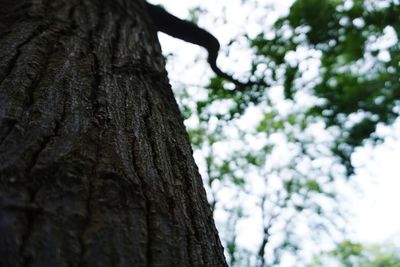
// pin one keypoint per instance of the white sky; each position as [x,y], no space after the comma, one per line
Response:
[378,175]
[378,172]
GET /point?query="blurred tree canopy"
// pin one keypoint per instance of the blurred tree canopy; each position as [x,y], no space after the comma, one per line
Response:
[332,69]
[351,254]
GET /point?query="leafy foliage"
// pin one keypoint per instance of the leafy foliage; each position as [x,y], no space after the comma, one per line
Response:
[350,254]
[359,71]
[332,70]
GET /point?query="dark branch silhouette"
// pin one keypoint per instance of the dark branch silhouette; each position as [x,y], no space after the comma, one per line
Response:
[190,32]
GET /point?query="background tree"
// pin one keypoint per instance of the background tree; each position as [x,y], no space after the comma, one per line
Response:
[350,254]
[331,67]
[95,164]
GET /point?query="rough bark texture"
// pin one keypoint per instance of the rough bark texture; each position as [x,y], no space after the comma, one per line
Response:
[95,164]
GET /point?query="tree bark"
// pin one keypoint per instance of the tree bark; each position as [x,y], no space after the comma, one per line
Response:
[95,164]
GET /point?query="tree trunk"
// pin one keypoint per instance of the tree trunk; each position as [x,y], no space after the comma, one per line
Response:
[95,164]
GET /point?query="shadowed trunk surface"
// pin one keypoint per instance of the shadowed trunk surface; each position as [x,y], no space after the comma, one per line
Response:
[95,164]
